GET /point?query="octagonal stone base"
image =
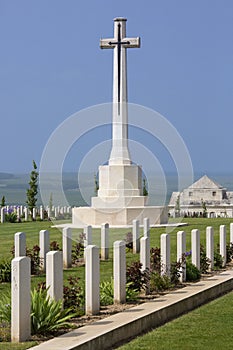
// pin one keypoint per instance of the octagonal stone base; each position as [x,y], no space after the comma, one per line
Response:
[119,216]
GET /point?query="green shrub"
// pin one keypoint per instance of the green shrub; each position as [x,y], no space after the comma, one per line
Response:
[73,295]
[129,240]
[204,261]
[137,278]
[77,252]
[107,292]
[155,259]
[47,314]
[192,272]
[11,217]
[218,260]
[5,308]
[229,248]
[159,283]
[34,255]
[175,272]
[5,270]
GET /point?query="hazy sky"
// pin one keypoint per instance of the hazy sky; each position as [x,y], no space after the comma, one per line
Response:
[51,66]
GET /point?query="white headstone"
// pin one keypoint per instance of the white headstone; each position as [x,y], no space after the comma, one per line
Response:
[2,215]
[136,237]
[119,272]
[88,237]
[223,242]
[54,275]
[67,247]
[231,232]
[44,238]
[34,213]
[145,253]
[210,246]
[181,250]
[92,280]
[104,241]
[20,244]
[196,248]
[41,212]
[26,214]
[20,299]
[165,254]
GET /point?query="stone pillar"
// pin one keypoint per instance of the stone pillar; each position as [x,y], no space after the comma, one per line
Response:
[136,237]
[88,237]
[55,213]
[26,214]
[181,250]
[231,233]
[210,246]
[20,244]
[146,227]
[165,254]
[54,275]
[18,212]
[41,212]
[119,272]
[49,213]
[92,280]
[145,253]
[222,244]
[67,247]
[104,241]
[20,299]
[196,248]
[34,213]
[2,215]
[44,239]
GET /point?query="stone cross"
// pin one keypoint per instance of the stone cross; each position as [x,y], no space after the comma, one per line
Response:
[120,153]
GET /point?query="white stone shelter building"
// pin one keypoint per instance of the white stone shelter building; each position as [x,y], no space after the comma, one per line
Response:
[205,197]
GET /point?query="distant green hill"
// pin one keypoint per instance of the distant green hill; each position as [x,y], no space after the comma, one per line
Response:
[6,176]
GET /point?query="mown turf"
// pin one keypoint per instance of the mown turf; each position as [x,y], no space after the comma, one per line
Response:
[32,229]
[206,328]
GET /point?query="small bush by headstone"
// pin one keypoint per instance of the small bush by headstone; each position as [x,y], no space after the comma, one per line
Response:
[5,270]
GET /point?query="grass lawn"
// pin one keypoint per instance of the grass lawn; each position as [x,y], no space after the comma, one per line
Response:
[206,328]
[7,231]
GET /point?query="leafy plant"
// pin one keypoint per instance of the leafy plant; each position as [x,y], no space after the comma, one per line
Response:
[96,181]
[3,201]
[73,295]
[175,272]
[159,283]
[129,240]
[77,252]
[107,292]
[204,261]
[137,278]
[229,248]
[47,314]
[155,259]
[144,188]
[33,189]
[192,272]
[34,255]
[54,245]
[5,270]
[5,308]
[10,215]
[218,260]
